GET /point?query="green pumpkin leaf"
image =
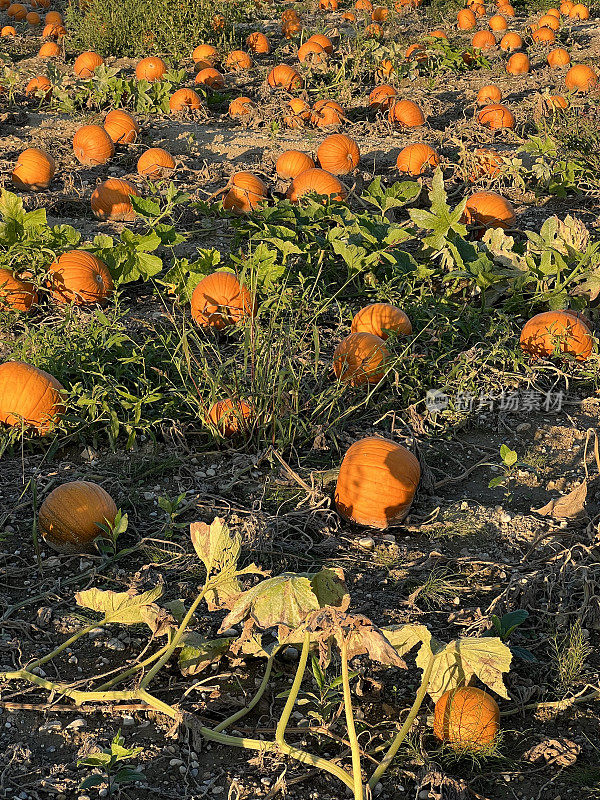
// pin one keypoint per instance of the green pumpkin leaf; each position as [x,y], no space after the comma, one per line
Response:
[125,608]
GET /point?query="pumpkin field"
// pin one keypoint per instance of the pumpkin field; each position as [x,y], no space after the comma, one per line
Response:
[299,400]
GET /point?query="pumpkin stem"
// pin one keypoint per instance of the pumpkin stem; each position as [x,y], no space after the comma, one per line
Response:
[261,690]
[354,745]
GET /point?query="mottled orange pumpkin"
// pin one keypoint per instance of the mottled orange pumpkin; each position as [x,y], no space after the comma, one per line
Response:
[80,278]
[258,43]
[70,517]
[558,57]
[121,126]
[377,483]
[466,717]
[382,97]
[29,397]
[219,301]
[360,358]
[581,78]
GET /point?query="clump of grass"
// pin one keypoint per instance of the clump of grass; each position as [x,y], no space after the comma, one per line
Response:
[438,588]
[570,653]
[476,754]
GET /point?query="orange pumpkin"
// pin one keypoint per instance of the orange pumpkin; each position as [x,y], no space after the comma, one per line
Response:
[324,41]
[554,103]
[579,11]
[219,301]
[349,16]
[33,18]
[291,28]
[17,11]
[466,717]
[300,113]
[258,43]
[381,319]
[364,5]
[230,417]
[15,293]
[544,34]
[518,64]
[550,331]
[7,31]
[496,116]
[155,163]
[49,50]
[489,95]
[207,53]
[360,358]
[40,85]
[338,154]
[316,181]
[29,397]
[566,6]
[284,77]
[328,5]
[247,192]
[312,53]
[377,483]
[486,164]
[405,114]
[550,21]
[238,60]
[382,97]
[558,57]
[33,171]
[466,19]
[241,107]
[53,31]
[184,99]
[210,77]
[70,517]
[112,200]
[416,159]
[53,16]
[150,69]
[483,40]
[80,278]
[511,41]
[498,23]
[92,146]
[581,78]
[489,209]
[380,14]
[327,114]
[86,63]
[292,162]
[121,127]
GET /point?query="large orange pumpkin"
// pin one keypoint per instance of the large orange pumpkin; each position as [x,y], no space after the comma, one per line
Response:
[581,78]
[489,209]
[79,277]
[338,154]
[70,517]
[247,192]
[49,50]
[292,162]
[206,53]
[121,127]
[184,99]
[284,77]
[416,159]
[518,64]
[498,23]
[316,181]
[377,483]
[40,85]
[258,43]
[29,396]
[230,416]
[558,57]
[381,319]
[483,40]
[511,41]
[465,19]
[86,63]
[15,293]
[324,41]
[155,163]
[496,116]
[405,114]
[219,301]
[466,717]
[150,69]
[211,77]
[360,358]
[33,171]
[561,330]
[111,200]
[92,145]
[382,97]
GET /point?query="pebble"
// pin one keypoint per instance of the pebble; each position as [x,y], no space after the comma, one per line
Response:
[148,495]
[378,789]
[210,473]
[504,517]
[128,720]
[523,426]
[103,792]
[389,538]
[76,724]
[367,543]
[423,794]
[291,654]
[115,644]
[175,762]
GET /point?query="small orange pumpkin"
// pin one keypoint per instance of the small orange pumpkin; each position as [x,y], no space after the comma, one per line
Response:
[40,85]
[518,64]
[498,23]
[206,53]
[150,69]
[112,200]
[86,63]
[49,50]
[466,717]
[70,517]
[33,171]
[155,163]
[483,40]
[405,114]
[29,397]
[562,330]
[324,41]
[238,60]
[184,99]
[241,107]
[416,159]
[7,31]
[312,53]
[360,358]
[121,127]
[230,417]
[338,154]
[80,278]
[258,43]
[382,97]
[246,194]
[293,162]
[465,19]
[489,209]
[284,77]
[219,301]
[489,95]
[558,57]
[316,181]
[327,114]
[210,77]
[92,146]
[381,319]
[511,41]
[377,482]
[15,293]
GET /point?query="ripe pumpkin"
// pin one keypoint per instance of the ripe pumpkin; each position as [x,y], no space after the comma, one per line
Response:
[33,171]
[328,5]
[486,164]
[316,181]
[466,716]
[364,5]
[381,319]
[558,57]
[544,332]
[92,145]
[121,126]
[489,209]
[184,99]
[360,358]
[80,278]
[291,28]
[33,18]
[550,21]
[488,95]
[324,41]
[581,78]
[465,19]
[241,107]
[205,52]
[496,116]
[498,23]
[230,417]
[69,518]
[483,40]
[17,294]
[566,6]
[292,162]
[377,483]
[338,154]
[373,31]
[416,159]
[150,69]
[349,16]
[554,103]
[511,41]
[155,163]
[238,60]
[327,114]
[405,114]
[39,85]
[49,50]
[258,43]
[219,301]
[311,53]
[17,11]
[246,194]
[284,77]
[579,11]
[300,113]
[53,16]
[380,14]
[29,396]
[53,31]
[518,64]
[210,77]
[111,200]
[86,63]
[506,10]
[544,34]
[382,97]
[7,31]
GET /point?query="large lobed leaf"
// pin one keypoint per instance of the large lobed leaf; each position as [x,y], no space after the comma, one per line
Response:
[125,608]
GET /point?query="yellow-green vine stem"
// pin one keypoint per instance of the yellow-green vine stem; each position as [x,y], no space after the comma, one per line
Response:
[65,644]
[132,670]
[259,693]
[354,745]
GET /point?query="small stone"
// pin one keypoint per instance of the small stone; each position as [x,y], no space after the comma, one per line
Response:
[504,517]
[367,542]
[291,654]
[378,789]
[103,792]
[523,426]
[423,794]
[128,720]
[218,790]
[76,724]
[115,644]
[148,495]
[210,473]
[175,762]
[389,538]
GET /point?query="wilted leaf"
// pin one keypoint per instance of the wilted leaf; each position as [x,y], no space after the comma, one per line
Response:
[459,661]
[157,619]
[198,653]
[219,552]
[330,588]
[569,506]
[126,608]
[404,637]
[558,752]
